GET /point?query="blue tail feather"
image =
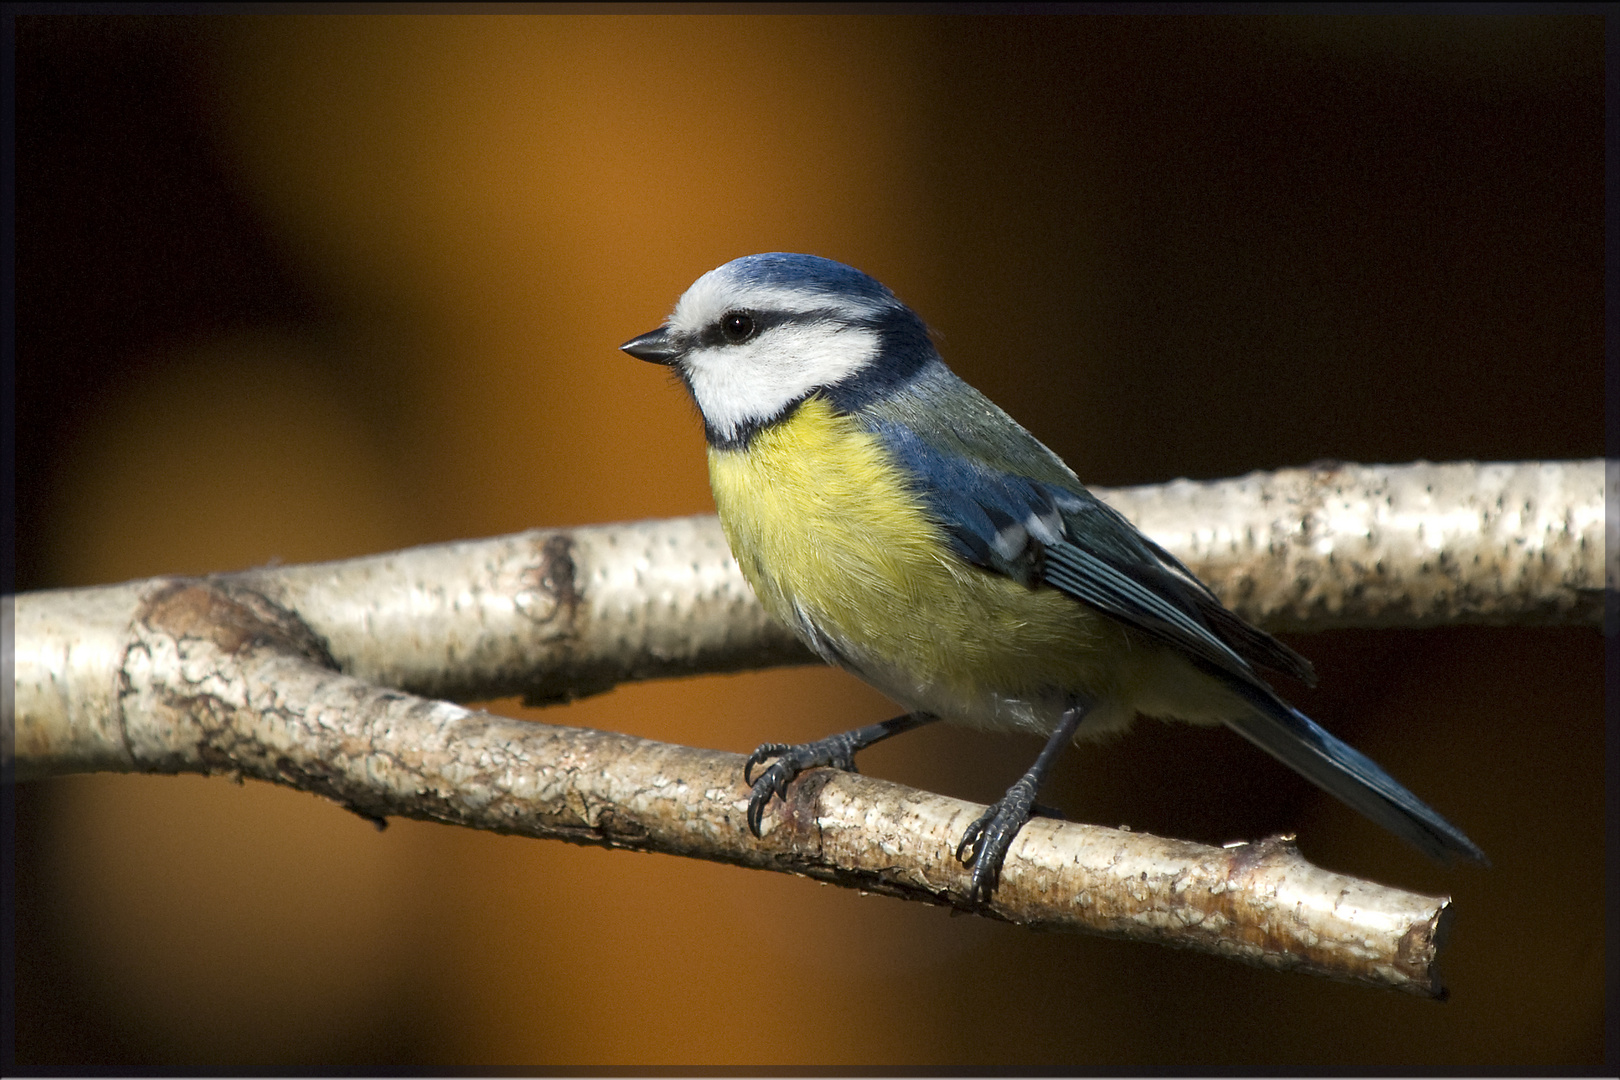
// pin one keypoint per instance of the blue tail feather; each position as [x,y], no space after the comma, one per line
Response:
[1352,777]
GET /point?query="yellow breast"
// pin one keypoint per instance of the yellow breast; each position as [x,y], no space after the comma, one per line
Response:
[831,535]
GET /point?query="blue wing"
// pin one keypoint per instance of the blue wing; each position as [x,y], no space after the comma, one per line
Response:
[1042,532]
[1038,532]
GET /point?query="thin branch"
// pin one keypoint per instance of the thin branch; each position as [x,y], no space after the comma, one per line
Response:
[1384,546]
[216,680]
[560,614]
[280,674]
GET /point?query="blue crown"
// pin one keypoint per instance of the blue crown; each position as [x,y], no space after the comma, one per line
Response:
[811,273]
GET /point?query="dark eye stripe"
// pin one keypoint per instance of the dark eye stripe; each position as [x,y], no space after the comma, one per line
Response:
[715,332]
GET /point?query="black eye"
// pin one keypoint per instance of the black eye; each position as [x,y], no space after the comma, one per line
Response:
[738,326]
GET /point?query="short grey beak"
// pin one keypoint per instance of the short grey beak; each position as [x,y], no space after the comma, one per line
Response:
[655,347]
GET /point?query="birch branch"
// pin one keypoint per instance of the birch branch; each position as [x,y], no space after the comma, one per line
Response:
[281,674]
[554,615]
[214,679]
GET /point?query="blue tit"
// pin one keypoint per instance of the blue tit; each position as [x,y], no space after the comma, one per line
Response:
[911,532]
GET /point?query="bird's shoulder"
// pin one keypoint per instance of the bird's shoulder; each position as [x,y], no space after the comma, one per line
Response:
[1007,503]
[997,489]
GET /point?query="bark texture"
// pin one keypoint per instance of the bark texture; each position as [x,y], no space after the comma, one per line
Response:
[325,678]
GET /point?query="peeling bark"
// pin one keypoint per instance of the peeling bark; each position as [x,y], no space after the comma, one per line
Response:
[217,681]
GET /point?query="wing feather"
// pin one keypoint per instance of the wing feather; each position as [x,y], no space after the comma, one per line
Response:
[1008,504]
[1038,532]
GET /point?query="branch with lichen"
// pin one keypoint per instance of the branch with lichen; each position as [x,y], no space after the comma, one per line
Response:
[323,677]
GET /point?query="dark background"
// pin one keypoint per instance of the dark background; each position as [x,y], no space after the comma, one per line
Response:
[312,286]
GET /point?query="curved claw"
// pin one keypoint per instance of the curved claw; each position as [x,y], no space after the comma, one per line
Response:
[835,751]
[773,781]
[983,883]
[967,852]
[759,756]
[990,837]
[986,842]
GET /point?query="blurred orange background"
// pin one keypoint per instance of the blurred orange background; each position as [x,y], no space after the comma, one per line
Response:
[306,286]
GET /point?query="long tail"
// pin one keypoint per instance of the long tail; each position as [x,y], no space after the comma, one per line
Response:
[1350,776]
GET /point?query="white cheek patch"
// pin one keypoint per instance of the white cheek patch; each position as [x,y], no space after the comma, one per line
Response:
[740,384]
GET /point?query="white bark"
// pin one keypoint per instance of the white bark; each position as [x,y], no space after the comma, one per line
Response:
[294,675]
[215,681]
[560,614]
[1518,543]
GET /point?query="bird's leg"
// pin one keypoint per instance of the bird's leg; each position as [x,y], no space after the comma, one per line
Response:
[984,845]
[835,751]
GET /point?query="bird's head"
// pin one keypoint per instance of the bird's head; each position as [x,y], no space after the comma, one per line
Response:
[753,338]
